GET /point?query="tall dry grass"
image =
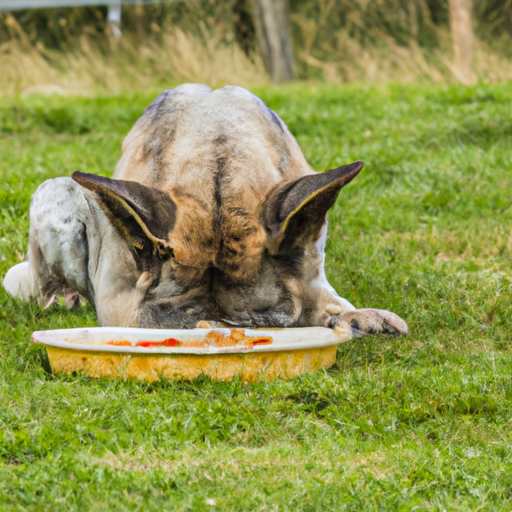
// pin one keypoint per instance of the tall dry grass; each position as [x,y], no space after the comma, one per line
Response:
[73,50]
[397,40]
[87,67]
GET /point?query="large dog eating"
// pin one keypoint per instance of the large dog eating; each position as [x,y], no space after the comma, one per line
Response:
[212,214]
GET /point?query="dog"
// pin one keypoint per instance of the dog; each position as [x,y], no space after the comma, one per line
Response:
[212,214]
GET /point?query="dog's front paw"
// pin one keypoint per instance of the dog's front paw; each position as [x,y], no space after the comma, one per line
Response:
[374,321]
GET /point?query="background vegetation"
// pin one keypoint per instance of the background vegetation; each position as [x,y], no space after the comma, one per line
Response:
[423,422]
[419,423]
[336,41]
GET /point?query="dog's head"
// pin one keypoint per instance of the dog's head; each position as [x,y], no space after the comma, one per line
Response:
[281,284]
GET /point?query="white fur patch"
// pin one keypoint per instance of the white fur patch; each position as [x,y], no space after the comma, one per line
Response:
[321,280]
[19,282]
[191,89]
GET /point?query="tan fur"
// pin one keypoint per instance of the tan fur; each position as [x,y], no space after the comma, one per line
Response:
[227,127]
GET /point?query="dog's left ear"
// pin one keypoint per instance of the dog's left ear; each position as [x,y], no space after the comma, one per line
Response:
[295,210]
[143,215]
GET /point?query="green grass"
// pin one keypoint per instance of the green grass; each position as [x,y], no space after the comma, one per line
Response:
[420,423]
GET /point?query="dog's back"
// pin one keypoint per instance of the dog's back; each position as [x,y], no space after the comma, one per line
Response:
[217,154]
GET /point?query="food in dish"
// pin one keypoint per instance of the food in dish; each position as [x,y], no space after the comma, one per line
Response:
[214,339]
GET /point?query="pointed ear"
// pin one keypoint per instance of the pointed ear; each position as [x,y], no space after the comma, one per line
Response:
[296,210]
[142,214]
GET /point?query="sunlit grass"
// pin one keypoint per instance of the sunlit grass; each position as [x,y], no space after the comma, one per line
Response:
[423,421]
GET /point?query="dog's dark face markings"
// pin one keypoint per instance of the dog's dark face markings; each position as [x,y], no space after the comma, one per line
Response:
[265,267]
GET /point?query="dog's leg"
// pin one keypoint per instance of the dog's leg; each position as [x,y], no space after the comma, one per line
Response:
[58,244]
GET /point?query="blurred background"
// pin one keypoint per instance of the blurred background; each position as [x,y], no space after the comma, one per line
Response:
[251,42]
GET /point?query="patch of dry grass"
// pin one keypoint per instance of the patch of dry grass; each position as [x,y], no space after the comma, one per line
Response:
[176,57]
[335,42]
[384,60]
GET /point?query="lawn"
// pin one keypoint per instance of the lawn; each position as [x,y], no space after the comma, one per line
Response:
[422,422]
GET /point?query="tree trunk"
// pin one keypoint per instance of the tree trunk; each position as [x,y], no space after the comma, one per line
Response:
[273,28]
[462,38]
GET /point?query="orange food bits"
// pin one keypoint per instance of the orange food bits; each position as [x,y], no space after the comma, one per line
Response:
[169,342]
[235,338]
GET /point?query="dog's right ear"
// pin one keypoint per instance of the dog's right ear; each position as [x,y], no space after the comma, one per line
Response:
[144,215]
